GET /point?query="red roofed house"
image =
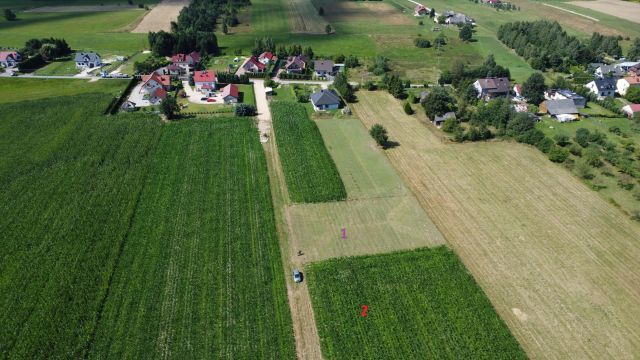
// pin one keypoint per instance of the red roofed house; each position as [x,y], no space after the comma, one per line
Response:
[186,61]
[230,94]
[9,58]
[155,86]
[421,10]
[517,89]
[296,64]
[624,84]
[267,57]
[632,110]
[253,65]
[205,81]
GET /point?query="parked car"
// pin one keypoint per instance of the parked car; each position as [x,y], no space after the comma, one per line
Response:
[297,276]
[211,100]
[204,98]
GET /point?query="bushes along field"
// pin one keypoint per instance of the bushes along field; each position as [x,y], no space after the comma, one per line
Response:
[422,304]
[309,170]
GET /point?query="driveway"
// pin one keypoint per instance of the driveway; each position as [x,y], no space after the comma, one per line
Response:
[262,105]
[194,96]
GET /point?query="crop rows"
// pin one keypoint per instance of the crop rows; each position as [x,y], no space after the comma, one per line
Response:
[68,184]
[422,304]
[310,173]
[200,276]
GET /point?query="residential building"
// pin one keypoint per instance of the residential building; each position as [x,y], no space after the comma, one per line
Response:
[88,60]
[296,64]
[186,61]
[517,89]
[252,65]
[609,71]
[623,85]
[10,58]
[267,57]
[325,100]
[175,71]
[560,94]
[563,110]
[459,19]
[632,110]
[205,81]
[439,120]
[602,88]
[628,65]
[490,88]
[229,94]
[421,10]
[324,68]
[154,81]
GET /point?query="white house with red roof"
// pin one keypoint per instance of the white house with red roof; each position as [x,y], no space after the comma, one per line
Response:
[205,81]
[267,57]
[154,87]
[252,65]
[229,94]
[623,85]
[10,58]
[632,110]
[296,64]
[186,61]
[421,10]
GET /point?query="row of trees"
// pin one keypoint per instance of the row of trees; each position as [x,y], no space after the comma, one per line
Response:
[168,43]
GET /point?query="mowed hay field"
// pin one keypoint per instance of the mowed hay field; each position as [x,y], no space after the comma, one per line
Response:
[304,18]
[200,275]
[557,261]
[380,214]
[421,304]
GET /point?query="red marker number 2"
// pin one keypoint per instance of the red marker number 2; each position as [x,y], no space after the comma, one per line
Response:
[365,308]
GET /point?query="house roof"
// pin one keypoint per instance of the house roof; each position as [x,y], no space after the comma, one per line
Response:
[323,65]
[87,56]
[4,55]
[606,83]
[633,80]
[164,80]
[230,90]
[419,8]
[495,85]
[267,55]
[194,57]
[628,64]
[204,76]
[254,61]
[606,69]
[563,106]
[324,97]
[569,94]
[160,92]
[634,107]
[296,61]
[517,88]
[449,115]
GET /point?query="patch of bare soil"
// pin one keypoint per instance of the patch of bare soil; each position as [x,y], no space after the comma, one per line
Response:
[343,11]
[623,9]
[161,16]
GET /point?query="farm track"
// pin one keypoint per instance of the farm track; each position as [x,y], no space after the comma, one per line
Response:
[557,261]
[161,16]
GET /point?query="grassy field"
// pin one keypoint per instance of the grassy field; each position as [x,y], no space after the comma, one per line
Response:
[27,4]
[208,282]
[17,89]
[421,304]
[69,180]
[310,172]
[99,31]
[66,67]
[304,18]
[551,255]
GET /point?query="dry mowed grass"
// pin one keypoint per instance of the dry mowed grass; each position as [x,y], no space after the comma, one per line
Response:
[622,9]
[161,16]
[361,11]
[557,261]
[304,18]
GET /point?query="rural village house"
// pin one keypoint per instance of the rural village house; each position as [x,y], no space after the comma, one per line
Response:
[155,87]
[324,68]
[252,65]
[628,65]
[172,70]
[560,94]
[490,88]
[440,119]
[205,81]
[88,60]
[602,88]
[563,109]
[229,94]
[296,64]
[9,58]
[517,89]
[325,100]
[609,71]
[186,61]
[267,57]
[631,110]
[421,10]
[624,84]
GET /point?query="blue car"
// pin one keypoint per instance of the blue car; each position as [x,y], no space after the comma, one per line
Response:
[297,276]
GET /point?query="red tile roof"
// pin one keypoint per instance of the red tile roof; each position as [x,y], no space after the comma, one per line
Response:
[633,80]
[230,89]
[180,58]
[254,60]
[267,55]
[161,93]
[5,54]
[164,80]
[635,107]
[204,76]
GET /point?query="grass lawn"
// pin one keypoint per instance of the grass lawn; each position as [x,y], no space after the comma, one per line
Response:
[525,228]
[99,31]
[137,57]
[27,4]
[246,94]
[420,304]
[18,89]
[64,67]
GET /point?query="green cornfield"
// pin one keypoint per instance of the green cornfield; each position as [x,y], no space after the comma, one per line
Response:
[310,173]
[422,304]
[122,237]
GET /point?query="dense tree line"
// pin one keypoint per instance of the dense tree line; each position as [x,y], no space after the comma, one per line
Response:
[634,50]
[49,48]
[341,84]
[168,43]
[459,75]
[546,45]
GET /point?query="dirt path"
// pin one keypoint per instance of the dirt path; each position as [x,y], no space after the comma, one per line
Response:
[161,16]
[262,105]
[304,324]
[571,11]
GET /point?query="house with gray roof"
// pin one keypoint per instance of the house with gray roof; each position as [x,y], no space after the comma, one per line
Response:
[88,60]
[325,100]
[324,68]
[440,119]
[562,109]
[609,71]
[602,88]
[490,88]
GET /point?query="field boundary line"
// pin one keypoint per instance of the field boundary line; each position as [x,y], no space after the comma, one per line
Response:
[116,263]
[571,11]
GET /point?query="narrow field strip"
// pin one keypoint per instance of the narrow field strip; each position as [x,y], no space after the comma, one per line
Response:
[570,11]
